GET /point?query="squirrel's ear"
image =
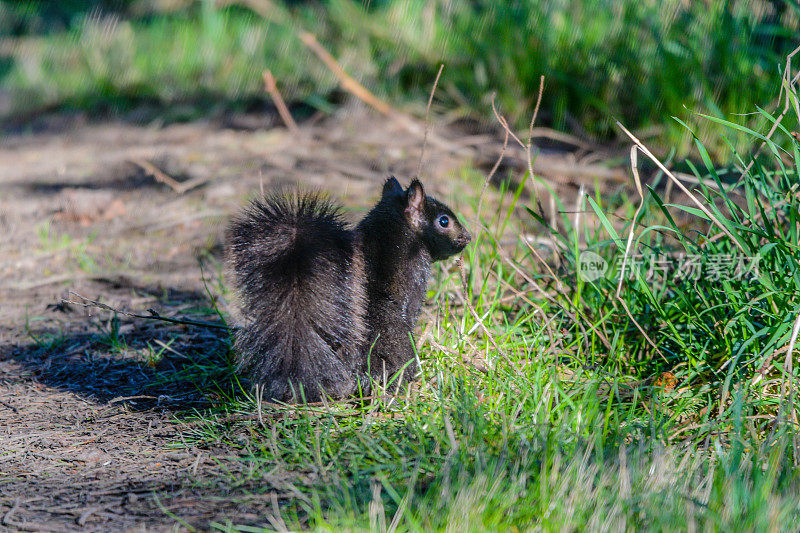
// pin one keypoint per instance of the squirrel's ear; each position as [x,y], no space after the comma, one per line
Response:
[415,202]
[391,187]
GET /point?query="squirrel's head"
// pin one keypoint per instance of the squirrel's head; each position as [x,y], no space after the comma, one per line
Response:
[434,222]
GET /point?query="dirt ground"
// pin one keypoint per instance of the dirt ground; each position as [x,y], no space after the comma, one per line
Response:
[134,216]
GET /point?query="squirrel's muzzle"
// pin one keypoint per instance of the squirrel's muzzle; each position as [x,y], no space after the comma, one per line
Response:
[463,240]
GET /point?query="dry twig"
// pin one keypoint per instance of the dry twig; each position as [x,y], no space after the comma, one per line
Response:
[160,176]
[349,84]
[272,88]
[26,526]
[87,302]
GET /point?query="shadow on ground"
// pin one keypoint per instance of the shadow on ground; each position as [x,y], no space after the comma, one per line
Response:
[90,436]
[106,357]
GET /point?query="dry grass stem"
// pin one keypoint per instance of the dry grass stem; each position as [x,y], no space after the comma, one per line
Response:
[427,119]
[787,84]
[787,382]
[629,243]
[529,144]
[473,311]
[681,186]
[489,178]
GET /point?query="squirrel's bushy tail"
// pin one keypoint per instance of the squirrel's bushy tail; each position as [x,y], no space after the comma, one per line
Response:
[299,276]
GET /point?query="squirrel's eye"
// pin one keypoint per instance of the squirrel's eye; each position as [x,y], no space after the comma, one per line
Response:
[444,221]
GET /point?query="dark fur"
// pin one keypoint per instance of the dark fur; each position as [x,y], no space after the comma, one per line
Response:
[399,247]
[321,304]
[297,271]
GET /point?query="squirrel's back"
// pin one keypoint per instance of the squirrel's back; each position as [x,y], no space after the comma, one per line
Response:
[299,274]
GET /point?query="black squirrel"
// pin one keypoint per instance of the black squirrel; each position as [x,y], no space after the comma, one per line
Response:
[323,306]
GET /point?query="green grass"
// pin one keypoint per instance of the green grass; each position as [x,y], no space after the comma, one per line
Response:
[639,62]
[76,249]
[546,400]
[543,406]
